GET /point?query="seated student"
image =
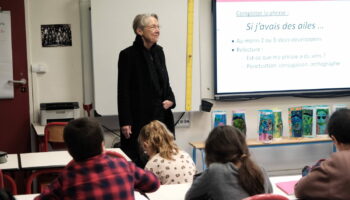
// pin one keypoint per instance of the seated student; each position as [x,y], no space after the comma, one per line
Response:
[95,174]
[171,165]
[330,178]
[231,174]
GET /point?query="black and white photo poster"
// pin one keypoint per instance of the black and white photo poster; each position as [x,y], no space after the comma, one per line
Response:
[56,35]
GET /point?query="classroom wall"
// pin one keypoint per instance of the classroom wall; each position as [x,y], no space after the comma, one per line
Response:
[64,82]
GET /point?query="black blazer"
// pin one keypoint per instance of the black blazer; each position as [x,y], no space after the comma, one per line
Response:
[143,84]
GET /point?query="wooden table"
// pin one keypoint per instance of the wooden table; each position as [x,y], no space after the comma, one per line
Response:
[254,143]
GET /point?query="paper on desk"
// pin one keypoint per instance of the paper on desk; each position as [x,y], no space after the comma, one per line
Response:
[287,186]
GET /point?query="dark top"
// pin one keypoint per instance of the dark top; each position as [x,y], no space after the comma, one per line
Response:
[143,84]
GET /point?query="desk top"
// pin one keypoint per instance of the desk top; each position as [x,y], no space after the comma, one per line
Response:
[11,164]
[178,191]
[138,196]
[277,179]
[255,142]
[170,192]
[52,159]
[26,196]
[39,129]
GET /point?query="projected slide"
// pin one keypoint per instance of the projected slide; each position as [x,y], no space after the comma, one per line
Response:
[282,45]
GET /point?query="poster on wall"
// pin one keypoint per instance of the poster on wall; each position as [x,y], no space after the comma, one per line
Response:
[56,35]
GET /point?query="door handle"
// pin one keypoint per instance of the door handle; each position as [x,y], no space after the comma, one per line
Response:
[23,81]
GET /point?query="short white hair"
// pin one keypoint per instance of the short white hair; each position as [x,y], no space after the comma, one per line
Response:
[140,21]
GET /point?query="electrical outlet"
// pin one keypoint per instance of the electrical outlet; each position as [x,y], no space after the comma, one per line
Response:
[184,122]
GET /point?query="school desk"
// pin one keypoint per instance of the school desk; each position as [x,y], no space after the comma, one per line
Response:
[170,192]
[39,129]
[254,143]
[52,159]
[178,191]
[277,179]
[11,164]
[26,196]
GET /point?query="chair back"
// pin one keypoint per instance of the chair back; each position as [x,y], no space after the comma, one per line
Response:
[266,197]
[1,179]
[9,180]
[54,136]
[39,173]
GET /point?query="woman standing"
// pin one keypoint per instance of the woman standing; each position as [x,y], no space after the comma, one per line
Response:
[144,92]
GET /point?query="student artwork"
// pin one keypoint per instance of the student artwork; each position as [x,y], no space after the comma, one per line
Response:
[322,113]
[295,121]
[219,118]
[277,124]
[308,121]
[266,125]
[238,121]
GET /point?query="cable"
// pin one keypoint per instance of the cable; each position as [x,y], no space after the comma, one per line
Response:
[179,118]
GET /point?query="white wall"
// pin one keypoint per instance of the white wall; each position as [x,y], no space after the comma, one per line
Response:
[64,82]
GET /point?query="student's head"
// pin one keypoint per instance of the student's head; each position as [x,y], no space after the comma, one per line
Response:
[227,144]
[339,126]
[156,138]
[84,138]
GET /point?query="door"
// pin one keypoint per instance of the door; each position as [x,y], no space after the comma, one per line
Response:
[14,105]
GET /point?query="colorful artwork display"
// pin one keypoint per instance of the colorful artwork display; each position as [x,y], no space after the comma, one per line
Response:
[219,118]
[307,116]
[295,121]
[277,124]
[322,114]
[238,121]
[266,125]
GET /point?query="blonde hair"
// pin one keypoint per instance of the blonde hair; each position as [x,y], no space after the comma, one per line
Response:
[159,139]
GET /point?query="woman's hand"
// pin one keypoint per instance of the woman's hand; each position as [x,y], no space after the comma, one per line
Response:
[167,104]
[126,130]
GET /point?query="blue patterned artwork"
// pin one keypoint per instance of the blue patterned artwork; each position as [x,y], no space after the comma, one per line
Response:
[266,125]
[219,118]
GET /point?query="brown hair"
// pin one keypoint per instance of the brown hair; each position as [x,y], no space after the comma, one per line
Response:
[159,138]
[227,144]
[83,137]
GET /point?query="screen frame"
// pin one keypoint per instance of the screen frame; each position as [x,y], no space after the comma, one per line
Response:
[251,95]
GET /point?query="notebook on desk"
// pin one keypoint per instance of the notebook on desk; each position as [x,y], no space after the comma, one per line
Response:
[287,186]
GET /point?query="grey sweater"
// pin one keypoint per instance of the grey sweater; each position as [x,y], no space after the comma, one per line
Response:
[220,182]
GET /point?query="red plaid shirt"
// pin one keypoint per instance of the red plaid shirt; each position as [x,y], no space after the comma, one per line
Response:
[106,176]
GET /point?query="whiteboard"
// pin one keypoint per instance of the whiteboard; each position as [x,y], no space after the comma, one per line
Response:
[111,24]
[6,71]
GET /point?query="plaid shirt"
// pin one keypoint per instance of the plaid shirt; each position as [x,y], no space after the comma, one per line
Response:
[106,176]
